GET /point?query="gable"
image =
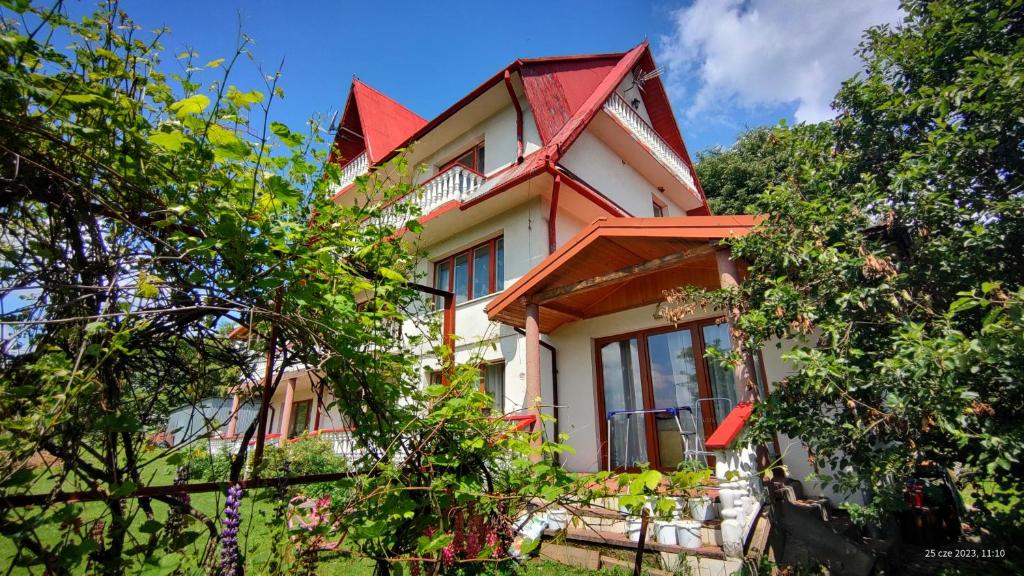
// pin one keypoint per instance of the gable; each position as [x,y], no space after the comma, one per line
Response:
[556,89]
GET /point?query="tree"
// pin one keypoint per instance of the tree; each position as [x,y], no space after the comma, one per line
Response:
[142,212]
[892,259]
[733,178]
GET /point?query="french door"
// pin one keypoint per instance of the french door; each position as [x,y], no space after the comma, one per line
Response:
[654,382]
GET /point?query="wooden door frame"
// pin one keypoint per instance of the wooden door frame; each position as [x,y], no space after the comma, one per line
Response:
[647,383]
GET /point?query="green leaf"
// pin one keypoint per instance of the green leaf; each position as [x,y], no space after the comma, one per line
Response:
[172,141]
[190,106]
[391,274]
[215,63]
[244,99]
[282,131]
[85,98]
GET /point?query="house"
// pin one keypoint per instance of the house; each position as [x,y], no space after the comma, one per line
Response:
[558,202]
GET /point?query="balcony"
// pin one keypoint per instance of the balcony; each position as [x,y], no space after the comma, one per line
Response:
[620,110]
[353,169]
[457,183]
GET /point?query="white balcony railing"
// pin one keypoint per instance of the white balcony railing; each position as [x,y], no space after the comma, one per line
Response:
[357,167]
[456,183]
[618,108]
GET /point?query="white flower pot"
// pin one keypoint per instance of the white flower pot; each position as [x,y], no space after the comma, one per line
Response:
[688,534]
[558,519]
[666,532]
[633,529]
[701,509]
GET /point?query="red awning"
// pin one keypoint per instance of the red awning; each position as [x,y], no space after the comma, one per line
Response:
[617,264]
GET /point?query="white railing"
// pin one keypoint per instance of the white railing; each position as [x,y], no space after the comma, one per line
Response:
[617,107]
[357,167]
[456,183]
[342,442]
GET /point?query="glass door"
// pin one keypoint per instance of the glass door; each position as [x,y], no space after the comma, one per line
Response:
[626,430]
[648,379]
[675,383]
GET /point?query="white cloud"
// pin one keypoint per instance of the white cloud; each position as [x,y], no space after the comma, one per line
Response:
[767,52]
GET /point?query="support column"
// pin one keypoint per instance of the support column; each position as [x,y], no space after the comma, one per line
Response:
[533,387]
[233,420]
[286,407]
[729,277]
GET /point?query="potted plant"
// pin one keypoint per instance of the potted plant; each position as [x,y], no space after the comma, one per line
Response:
[688,482]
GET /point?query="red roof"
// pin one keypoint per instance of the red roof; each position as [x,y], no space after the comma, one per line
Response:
[564,93]
[557,88]
[383,123]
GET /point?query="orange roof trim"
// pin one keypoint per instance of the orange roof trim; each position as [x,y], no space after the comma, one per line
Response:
[674,228]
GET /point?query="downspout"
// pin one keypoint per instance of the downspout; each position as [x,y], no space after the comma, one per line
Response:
[519,116]
[553,215]
[554,378]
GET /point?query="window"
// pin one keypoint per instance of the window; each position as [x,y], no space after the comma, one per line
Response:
[492,381]
[300,418]
[659,209]
[472,273]
[658,369]
[472,159]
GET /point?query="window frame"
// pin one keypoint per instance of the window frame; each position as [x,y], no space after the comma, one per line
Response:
[492,281]
[659,207]
[475,149]
[704,384]
[293,421]
[499,403]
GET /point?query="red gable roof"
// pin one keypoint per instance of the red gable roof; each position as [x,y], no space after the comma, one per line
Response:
[564,93]
[383,123]
[557,88]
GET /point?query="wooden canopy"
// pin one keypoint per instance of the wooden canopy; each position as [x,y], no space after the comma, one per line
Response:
[617,264]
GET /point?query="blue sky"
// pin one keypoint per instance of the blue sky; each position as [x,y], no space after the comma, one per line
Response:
[729,64]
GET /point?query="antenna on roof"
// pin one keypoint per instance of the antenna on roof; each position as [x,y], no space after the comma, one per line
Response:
[640,78]
[334,117]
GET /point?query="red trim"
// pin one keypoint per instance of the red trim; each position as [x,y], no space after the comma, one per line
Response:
[681,227]
[330,430]
[731,427]
[519,116]
[523,421]
[553,215]
[568,134]
[593,196]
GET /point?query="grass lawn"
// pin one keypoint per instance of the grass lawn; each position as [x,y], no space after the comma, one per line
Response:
[255,535]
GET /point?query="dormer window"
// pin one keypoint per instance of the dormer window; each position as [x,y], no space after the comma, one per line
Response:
[472,159]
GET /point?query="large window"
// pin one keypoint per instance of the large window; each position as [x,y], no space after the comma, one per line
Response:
[472,159]
[473,273]
[662,369]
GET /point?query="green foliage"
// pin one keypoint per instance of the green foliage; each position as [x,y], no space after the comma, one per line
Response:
[891,263]
[733,178]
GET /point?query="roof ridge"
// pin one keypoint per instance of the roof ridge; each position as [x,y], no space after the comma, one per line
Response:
[356,81]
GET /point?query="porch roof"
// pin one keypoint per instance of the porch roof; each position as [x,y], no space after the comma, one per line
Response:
[615,264]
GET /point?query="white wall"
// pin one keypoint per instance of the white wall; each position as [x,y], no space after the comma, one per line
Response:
[603,169]
[498,133]
[524,230]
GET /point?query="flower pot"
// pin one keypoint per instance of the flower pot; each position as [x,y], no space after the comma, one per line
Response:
[688,534]
[665,532]
[558,519]
[633,529]
[701,509]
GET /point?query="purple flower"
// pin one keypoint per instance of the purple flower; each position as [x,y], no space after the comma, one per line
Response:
[230,559]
